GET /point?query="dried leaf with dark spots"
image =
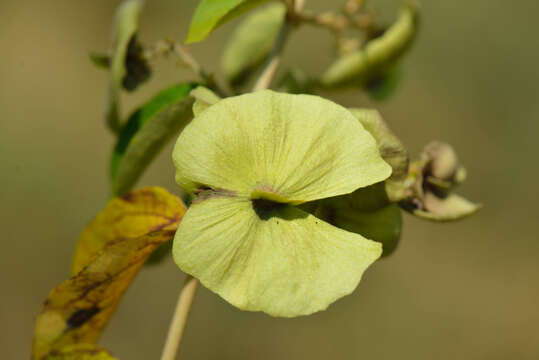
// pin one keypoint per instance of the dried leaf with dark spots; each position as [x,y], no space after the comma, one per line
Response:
[110,252]
[135,214]
[80,352]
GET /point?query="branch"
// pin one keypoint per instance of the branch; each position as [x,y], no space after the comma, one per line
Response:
[165,47]
[177,326]
[338,22]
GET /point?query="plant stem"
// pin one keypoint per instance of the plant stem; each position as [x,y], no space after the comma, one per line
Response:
[168,46]
[177,326]
[190,61]
[274,59]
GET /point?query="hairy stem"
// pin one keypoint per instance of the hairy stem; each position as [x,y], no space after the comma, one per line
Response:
[177,326]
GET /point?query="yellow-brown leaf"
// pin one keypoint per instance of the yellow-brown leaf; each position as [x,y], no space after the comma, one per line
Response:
[133,215]
[80,352]
[77,310]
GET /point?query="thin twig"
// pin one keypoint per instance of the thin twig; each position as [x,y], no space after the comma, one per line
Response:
[167,47]
[190,61]
[177,326]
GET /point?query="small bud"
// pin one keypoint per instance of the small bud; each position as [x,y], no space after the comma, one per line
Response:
[442,161]
[434,178]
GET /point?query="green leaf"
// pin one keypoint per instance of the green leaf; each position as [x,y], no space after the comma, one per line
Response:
[378,55]
[147,130]
[366,212]
[384,86]
[383,225]
[80,352]
[125,28]
[251,43]
[365,199]
[212,13]
[109,254]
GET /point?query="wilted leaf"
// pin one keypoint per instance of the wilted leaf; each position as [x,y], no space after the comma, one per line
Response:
[125,28]
[204,98]
[146,132]
[136,66]
[384,225]
[135,214]
[378,55]
[251,42]
[80,352]
[77,310]
[212,13]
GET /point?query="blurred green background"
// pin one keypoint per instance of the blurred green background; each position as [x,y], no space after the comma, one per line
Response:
[467,290]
